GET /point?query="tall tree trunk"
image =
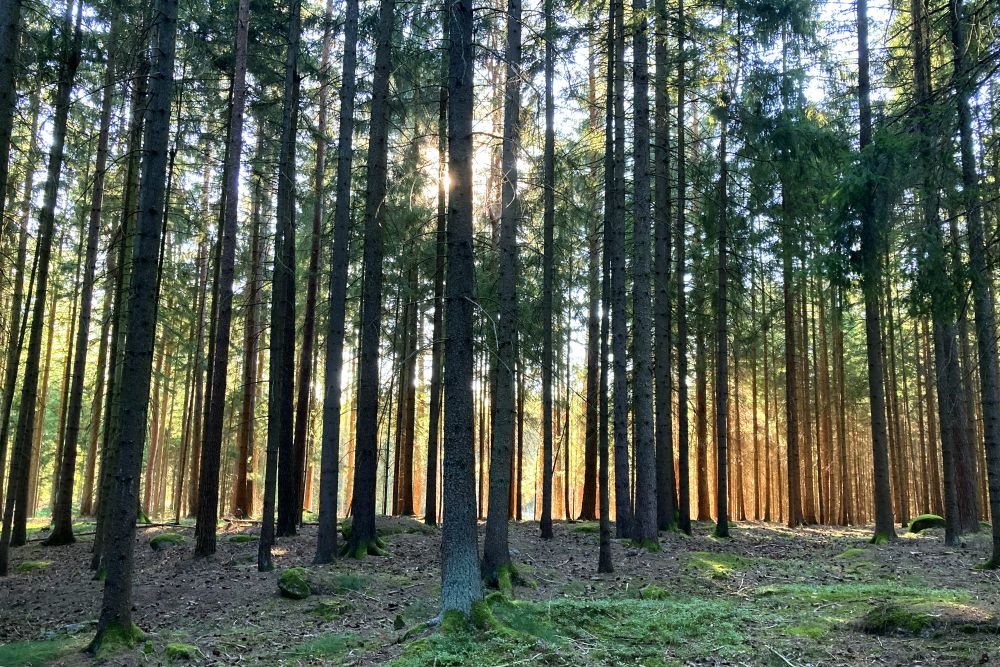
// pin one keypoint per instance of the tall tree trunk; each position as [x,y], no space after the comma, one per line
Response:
[208,485]
[304,381]
[870,279]
[10,37]
[116,609]
[619,316]
[983,299]
[548,225]
[363,539]
[440,249]
[18,304]
[460,574]
[14,530]
[279,476]
[496,565]
[242,504]
[588,504]
[326,543]
[684,484]
[644,525]
[722,342]
[666,485]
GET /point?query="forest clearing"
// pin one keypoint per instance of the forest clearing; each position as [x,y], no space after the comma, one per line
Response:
[766,596]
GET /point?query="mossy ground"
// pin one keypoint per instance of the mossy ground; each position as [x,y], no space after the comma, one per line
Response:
[42,652]
[805,594]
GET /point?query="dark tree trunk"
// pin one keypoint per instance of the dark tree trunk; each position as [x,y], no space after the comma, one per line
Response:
[588,504]
[14,529]
[10,32]
[619,316]
[279,470]
[684,483]
[437,334]
[326,544]
[548,226]
[460,581]
[363,539]
[496,566]
[870,259]
[666,485]
[116,609]
[18,304]
[242,505]
[644,524]
[983,299]
[722,342]
[208,485]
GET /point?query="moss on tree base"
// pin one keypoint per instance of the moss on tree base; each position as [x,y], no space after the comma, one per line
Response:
[115,636]
[362,548]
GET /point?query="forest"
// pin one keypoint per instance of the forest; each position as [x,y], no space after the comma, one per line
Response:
[576,332]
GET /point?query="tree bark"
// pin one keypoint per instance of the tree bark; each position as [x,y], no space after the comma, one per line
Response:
[460,573]
[363,538]
[13,532]
[208,486]
[116,609]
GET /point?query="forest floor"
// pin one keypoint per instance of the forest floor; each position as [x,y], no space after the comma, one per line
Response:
[765,596]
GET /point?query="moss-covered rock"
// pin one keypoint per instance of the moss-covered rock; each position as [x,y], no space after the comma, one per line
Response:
[925,521]
[886,619]
[33,565]
[292,584]
[179,651]
[166,541]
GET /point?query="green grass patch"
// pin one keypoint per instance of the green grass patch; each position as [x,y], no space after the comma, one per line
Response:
[329,648]
[243,538]
[32,566]
[860,592]
[588,527]
[576,631]
[809,630]
[717,565]
[36,653]
[851,554]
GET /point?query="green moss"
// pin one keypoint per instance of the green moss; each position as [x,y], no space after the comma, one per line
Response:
[851,554]
[889,618]
[881,538]
[575,631]
[809,630]
[589,527]
[292,583]
[649,545]
[717,565]
[331,610]
[116,637]
[329,648]
[166,541]
[33,565]
[36,653]
[925,521]
[180,651]
[242,538]
[481,615]
[889,591]
[453,621]
[654,592]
